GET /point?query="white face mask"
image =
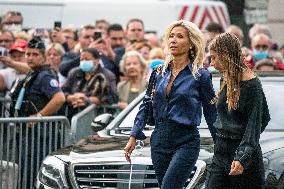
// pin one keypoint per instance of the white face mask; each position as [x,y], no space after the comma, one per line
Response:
[14,28]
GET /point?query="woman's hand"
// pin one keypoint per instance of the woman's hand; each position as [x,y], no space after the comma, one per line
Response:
[130,146]
[236,168]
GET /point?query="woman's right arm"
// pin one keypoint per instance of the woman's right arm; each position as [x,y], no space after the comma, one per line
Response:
[141,118]
[139,123]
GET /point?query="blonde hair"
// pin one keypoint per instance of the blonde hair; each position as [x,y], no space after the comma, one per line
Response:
[58,47]
[157,52]
[23,35]
[135,54]
[196,38]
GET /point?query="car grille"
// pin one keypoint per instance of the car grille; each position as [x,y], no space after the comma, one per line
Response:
[116,176]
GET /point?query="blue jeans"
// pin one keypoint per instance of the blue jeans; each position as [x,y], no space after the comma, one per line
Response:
[174,152]
[218,175]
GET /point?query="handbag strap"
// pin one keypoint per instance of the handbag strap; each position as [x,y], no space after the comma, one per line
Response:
[151,90]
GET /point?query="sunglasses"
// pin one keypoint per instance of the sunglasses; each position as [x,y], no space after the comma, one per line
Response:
[261,47]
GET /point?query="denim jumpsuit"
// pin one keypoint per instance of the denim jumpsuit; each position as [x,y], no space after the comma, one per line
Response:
[175,141]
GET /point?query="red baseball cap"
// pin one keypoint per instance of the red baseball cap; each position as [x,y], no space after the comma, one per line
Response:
[19,45]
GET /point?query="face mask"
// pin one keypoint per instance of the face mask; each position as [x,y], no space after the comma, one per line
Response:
[87,66]
[14,28]
[211,69]
[259,55]
[155,63]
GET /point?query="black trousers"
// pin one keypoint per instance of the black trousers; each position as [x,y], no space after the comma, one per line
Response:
[218,173]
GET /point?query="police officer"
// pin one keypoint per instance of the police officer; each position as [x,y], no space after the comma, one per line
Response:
[39,93]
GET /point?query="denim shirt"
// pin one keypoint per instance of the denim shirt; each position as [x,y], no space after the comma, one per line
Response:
[184,104]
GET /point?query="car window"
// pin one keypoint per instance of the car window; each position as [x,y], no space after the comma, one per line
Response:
[274,92]
[128,121]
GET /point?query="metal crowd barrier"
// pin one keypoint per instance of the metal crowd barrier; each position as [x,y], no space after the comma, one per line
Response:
[24,143]
[4,106]
[81,122]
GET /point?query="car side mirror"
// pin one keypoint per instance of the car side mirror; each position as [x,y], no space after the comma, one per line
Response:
[100,122]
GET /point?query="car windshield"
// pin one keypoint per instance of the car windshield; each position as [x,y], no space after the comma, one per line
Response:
[273,89]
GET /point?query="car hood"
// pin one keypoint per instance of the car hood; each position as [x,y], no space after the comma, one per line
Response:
[271,140]
[96,148]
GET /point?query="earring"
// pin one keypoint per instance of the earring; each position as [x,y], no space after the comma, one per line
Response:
[191,50]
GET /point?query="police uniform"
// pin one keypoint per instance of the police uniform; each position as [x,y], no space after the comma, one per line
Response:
[29,97]
[42,84]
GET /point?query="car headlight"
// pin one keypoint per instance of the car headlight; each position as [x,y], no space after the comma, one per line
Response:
[52,173]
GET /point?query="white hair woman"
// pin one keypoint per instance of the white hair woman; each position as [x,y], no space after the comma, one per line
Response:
[54,52]
[180,89]
[133,66]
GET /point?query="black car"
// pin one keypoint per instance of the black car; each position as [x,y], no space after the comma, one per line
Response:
[98,161]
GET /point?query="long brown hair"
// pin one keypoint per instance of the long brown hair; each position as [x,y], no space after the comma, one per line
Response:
[227,47]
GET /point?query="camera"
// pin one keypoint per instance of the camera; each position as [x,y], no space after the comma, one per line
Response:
[97,35]
[4,51]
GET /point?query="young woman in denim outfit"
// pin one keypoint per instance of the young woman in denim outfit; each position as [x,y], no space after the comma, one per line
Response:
[182,87]
[242,115]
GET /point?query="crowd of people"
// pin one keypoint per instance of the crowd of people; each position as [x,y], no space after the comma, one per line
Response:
[44,71]
[105,63]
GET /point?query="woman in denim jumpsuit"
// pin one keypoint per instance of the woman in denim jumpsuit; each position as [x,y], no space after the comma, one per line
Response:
[182,87]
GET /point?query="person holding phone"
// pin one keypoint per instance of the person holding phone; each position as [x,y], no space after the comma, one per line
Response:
[108,56]
[16,64]
[57,36]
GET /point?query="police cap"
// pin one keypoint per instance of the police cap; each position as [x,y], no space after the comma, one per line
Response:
[36,43]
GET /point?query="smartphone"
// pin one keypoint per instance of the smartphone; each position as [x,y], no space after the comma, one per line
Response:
[57,24]
[4,51]
[97,35]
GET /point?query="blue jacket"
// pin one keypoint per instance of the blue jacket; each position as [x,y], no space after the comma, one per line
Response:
[184,103]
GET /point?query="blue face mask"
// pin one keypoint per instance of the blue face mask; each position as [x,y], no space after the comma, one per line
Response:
[211,69]
[259,55]
[87,66]
[155,63]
